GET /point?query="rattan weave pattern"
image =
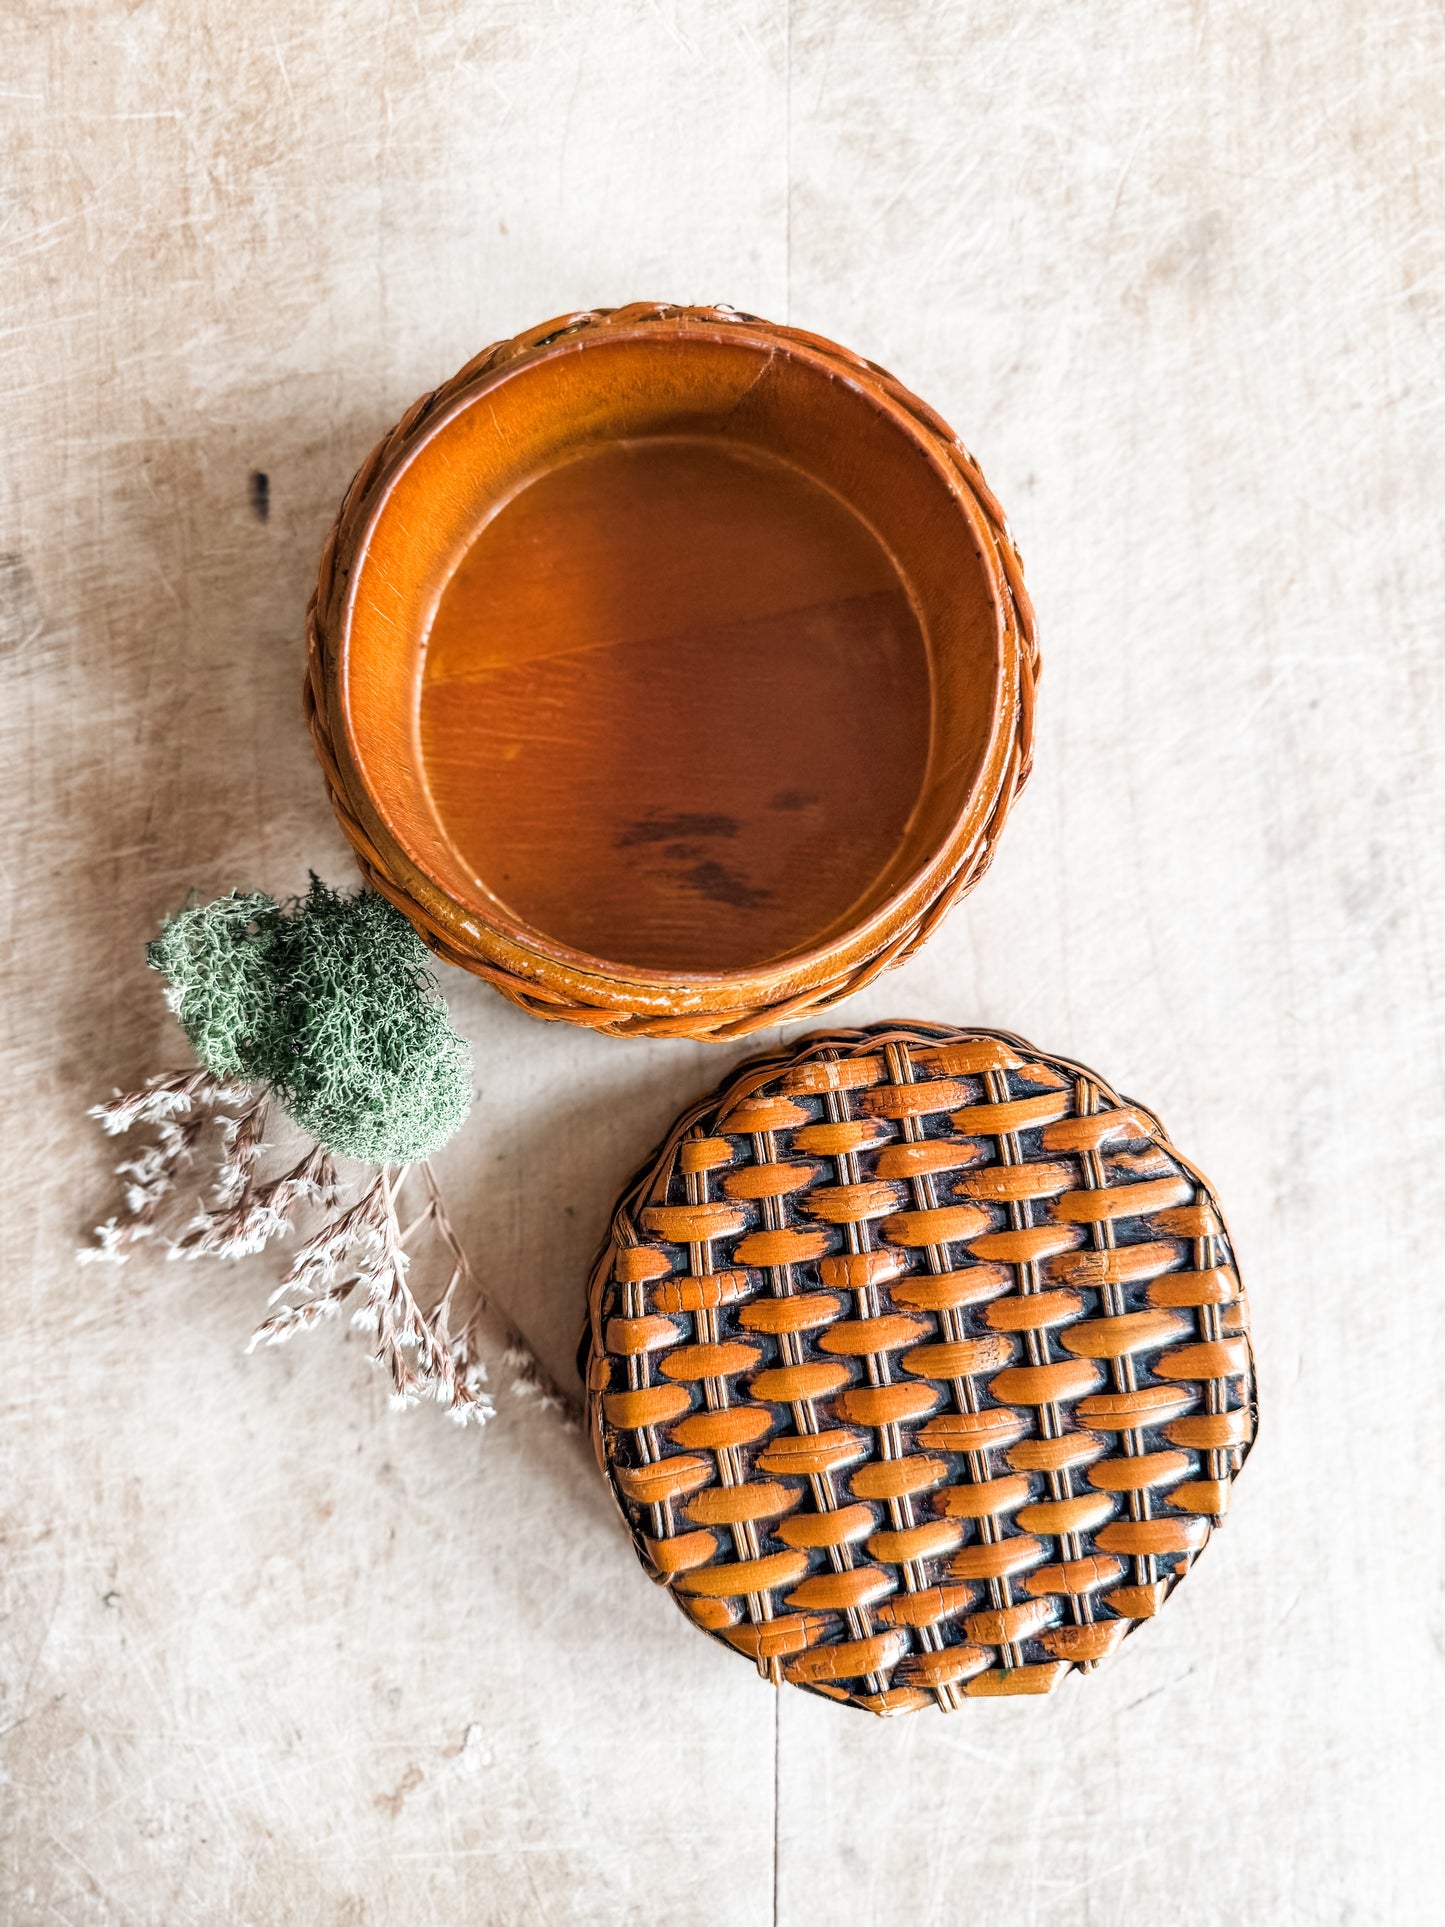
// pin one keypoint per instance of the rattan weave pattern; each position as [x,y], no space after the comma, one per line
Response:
[919,1365]
[386,874]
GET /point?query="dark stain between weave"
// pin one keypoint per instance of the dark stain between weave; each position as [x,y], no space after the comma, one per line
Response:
[791,800]
[671,829]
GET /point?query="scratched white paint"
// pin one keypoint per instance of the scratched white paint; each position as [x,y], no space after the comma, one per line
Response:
[273,1655]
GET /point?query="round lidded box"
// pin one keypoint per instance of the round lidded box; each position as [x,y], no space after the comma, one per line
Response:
[919,1365]
[672,670]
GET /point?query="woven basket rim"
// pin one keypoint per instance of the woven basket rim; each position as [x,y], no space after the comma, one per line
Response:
[555,980]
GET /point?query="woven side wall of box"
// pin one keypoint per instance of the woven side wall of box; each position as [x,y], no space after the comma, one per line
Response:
[671,670]
[918,1364]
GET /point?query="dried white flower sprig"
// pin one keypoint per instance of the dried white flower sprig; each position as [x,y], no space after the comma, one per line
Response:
[150,1176]
[358,1257]
[363,1256]
[425,1355]
[328,1009]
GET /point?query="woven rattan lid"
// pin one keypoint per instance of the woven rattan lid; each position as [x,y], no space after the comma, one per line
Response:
[918,1364]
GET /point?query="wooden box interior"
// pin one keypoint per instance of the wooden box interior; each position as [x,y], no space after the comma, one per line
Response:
[675,653]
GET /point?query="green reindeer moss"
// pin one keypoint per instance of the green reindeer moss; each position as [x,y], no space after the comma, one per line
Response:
[329,1000]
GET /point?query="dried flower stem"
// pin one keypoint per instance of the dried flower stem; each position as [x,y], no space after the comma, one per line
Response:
[415,1347]
[532,1379]
[360,1256]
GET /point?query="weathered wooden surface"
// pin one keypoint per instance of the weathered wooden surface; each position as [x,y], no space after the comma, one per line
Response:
[272,1654]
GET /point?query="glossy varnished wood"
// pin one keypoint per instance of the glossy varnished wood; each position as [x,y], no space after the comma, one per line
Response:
[648,692]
